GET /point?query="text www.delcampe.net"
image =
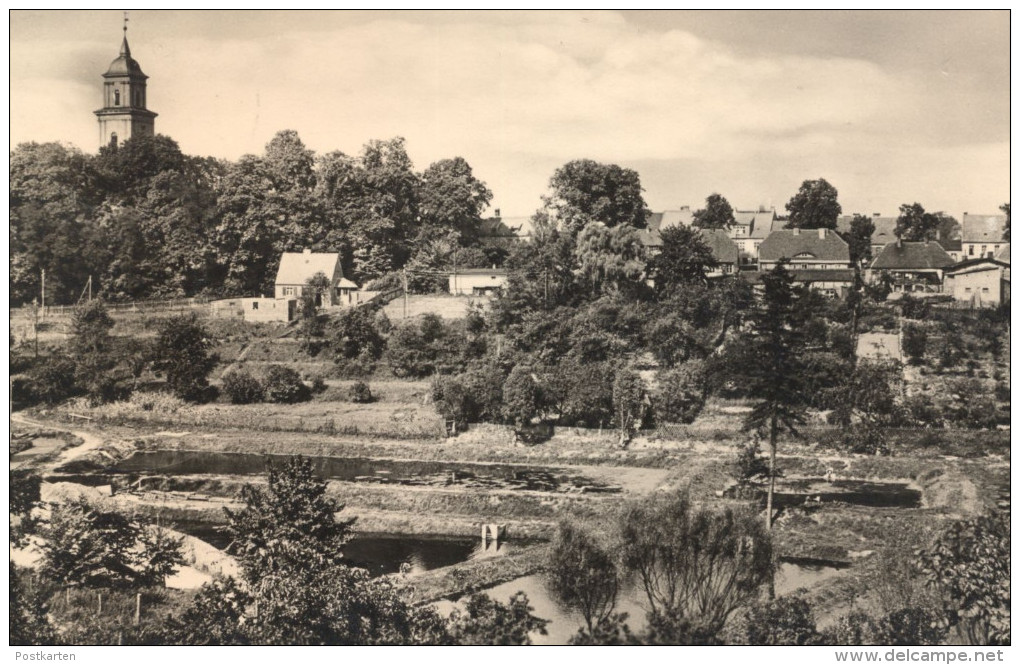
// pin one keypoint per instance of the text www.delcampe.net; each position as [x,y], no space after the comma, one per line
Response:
[912,656]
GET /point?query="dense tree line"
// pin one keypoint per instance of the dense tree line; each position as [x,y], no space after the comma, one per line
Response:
[145,220]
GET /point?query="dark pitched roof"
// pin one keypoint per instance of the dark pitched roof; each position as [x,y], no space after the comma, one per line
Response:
[983,228]
[950,244]
[912,256]
[884,228]
[723,249]
[788,243]
[1003,254]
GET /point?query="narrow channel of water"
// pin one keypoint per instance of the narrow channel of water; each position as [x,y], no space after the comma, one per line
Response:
[382,554]
[808,491]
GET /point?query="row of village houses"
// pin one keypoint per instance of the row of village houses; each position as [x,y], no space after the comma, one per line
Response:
[973,269]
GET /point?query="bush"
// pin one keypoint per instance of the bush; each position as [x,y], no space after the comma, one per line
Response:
[628,402]
[283,385]
[682,393]
[453,400]
[786,621]
[425,347]
[750,466]
[318,385]
[53,381]
[242,387]
[914,308]
[520,396]
[358,334]
[582,393]
[865,438]
[360,393]
[181,352]
[922,411]
[915,341]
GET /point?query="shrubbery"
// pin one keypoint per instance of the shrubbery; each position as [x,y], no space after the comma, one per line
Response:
[425,347]
[242,387]
[284,385]
[915,342]
[360,393]
[682,393]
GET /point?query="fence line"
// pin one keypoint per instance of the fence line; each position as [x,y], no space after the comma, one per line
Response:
[142,306]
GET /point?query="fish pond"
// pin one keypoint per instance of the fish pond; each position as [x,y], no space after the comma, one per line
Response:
[362,470]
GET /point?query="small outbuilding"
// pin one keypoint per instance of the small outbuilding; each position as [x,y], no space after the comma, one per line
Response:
[477,281]
[980,282]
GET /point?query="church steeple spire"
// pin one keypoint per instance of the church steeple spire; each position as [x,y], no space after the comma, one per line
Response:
[125,50]
[124,113]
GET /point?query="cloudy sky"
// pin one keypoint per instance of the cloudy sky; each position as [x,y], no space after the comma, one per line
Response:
[889,107]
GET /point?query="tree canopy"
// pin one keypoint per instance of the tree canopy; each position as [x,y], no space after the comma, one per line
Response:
[814,206]
[717,213]
[914,224]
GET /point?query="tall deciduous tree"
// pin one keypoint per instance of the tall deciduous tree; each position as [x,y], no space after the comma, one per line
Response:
[609,259]
[774,371]
[585,191]
[915,224]
[717,213]
[1005,232]
[814,206]
[452,198]
[685,259]
[859,239]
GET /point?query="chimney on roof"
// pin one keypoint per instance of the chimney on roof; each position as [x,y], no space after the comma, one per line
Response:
[938,234]
[821,234]
[307,251]
[899,242]
[796,232]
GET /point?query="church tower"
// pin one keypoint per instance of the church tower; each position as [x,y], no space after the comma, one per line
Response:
[124,114]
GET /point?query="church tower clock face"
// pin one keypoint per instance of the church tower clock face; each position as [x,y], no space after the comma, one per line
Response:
[124,113]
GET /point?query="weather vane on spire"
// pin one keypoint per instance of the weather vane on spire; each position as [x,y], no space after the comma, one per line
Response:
[125,22]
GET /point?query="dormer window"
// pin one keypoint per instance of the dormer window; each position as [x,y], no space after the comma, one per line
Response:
[116,97]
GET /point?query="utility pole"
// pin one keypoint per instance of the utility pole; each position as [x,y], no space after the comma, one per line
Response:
[405,293]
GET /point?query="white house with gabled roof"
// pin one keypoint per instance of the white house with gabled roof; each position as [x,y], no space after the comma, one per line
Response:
[296,268]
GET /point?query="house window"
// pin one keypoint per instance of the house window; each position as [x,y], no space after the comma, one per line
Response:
[254,305]
[288,290]
[967,290]
[116,97]
[984,289]
[970,250]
